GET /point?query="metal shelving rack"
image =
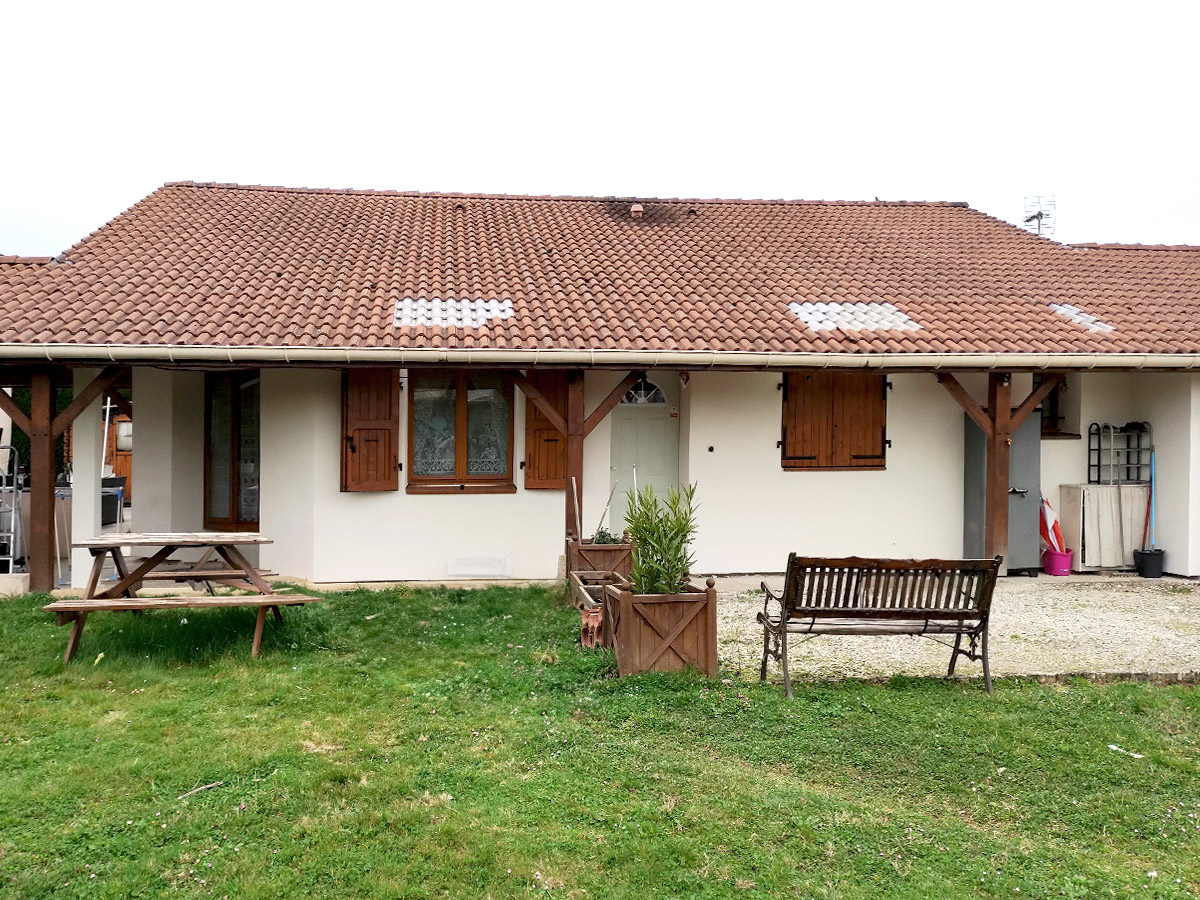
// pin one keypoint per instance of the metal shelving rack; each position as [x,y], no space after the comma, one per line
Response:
[1120,454]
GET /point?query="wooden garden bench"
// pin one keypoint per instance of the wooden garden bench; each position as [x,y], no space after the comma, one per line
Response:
[927,597]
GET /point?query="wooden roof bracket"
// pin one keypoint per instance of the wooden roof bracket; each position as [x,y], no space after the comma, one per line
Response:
[538,399]
[9,407]
[966,401]
[610,402]
[85,398]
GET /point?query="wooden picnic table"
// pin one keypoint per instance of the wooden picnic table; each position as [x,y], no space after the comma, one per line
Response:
[231,570]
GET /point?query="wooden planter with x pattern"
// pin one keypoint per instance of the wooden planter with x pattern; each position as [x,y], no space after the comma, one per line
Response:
[663,632]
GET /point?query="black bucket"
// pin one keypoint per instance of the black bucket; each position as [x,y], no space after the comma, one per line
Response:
[1149,563]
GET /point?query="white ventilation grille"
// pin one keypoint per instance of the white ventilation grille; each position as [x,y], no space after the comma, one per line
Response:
[451,313]
[479,567]
[852,317]
[1079,317]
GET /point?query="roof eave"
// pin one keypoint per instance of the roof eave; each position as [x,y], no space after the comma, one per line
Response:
[174,354]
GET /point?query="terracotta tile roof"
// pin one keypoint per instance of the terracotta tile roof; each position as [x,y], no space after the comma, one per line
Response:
[227,265]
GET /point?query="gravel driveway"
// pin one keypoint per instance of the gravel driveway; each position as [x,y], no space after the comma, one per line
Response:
[1040,626]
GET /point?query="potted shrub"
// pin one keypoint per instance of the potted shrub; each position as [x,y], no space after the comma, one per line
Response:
[603,552]
[660,621]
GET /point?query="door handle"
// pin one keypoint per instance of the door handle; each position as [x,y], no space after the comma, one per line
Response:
[1021,491]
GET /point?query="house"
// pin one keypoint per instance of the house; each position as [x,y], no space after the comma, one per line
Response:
[427,386]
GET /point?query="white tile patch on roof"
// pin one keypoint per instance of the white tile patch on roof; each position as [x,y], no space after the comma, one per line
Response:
[450,313]
[853,317]
[1079,317]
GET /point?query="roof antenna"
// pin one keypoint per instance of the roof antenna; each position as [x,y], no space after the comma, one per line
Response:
[1041,215]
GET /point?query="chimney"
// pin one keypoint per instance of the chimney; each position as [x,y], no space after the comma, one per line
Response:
[635,211]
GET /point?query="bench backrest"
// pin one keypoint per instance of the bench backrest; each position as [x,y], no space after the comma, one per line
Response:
[887,588]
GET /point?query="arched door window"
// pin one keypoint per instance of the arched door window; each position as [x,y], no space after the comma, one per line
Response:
[644,391]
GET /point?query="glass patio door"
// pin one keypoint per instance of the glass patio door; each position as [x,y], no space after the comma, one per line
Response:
[231,438]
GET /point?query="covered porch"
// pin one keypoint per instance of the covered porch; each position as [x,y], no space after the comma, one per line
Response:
[728,438]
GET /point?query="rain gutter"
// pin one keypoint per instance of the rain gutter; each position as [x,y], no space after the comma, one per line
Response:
[635,359]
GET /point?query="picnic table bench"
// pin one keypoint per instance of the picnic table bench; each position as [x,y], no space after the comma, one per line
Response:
[231,570]
[927,597]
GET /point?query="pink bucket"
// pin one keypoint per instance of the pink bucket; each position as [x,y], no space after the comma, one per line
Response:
[1055,563]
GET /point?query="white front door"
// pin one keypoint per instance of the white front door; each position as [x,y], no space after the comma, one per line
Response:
[645,444]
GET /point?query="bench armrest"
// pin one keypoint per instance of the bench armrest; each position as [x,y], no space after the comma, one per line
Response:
[768,596]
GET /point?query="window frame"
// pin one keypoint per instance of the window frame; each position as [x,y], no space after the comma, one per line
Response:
[460,482]
[237,380]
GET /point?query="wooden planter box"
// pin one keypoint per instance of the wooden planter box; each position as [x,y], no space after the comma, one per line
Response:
[662,632]
[587,588]
[587,593]
[584,556]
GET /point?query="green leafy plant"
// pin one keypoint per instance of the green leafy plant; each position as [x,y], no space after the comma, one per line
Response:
[604,536]
[661,531]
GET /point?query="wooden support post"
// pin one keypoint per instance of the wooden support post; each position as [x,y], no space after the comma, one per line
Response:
[998,422]
[40,548]
[575,435]
[999,442]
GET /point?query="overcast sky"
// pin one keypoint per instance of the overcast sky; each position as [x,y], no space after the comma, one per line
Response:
[1093,103]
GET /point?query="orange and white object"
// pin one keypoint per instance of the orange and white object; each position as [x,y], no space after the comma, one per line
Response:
[1052,535]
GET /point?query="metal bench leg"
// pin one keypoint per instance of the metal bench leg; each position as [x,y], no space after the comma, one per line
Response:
[987,669]
[954,655]
[73,640]
[787,676]
[258,631]
[766,638]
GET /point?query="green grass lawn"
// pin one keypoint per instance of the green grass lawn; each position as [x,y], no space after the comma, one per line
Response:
[448,743]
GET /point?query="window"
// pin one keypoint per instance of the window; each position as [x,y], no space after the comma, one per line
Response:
[644,391]
[1060,409]
[834,420]
[231,451]
[460,436]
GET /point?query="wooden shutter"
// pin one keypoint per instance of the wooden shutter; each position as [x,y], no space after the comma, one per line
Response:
[371,430]
[859,420]
[545,446]
[807,420]
[834,420]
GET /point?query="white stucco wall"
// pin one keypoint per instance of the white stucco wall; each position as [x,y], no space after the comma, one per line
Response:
[326,535]
[597,452]
[753,513]
[1104,397]
[1168,402]
[1193,552]
[288,481]
[168,479]
[87,440]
